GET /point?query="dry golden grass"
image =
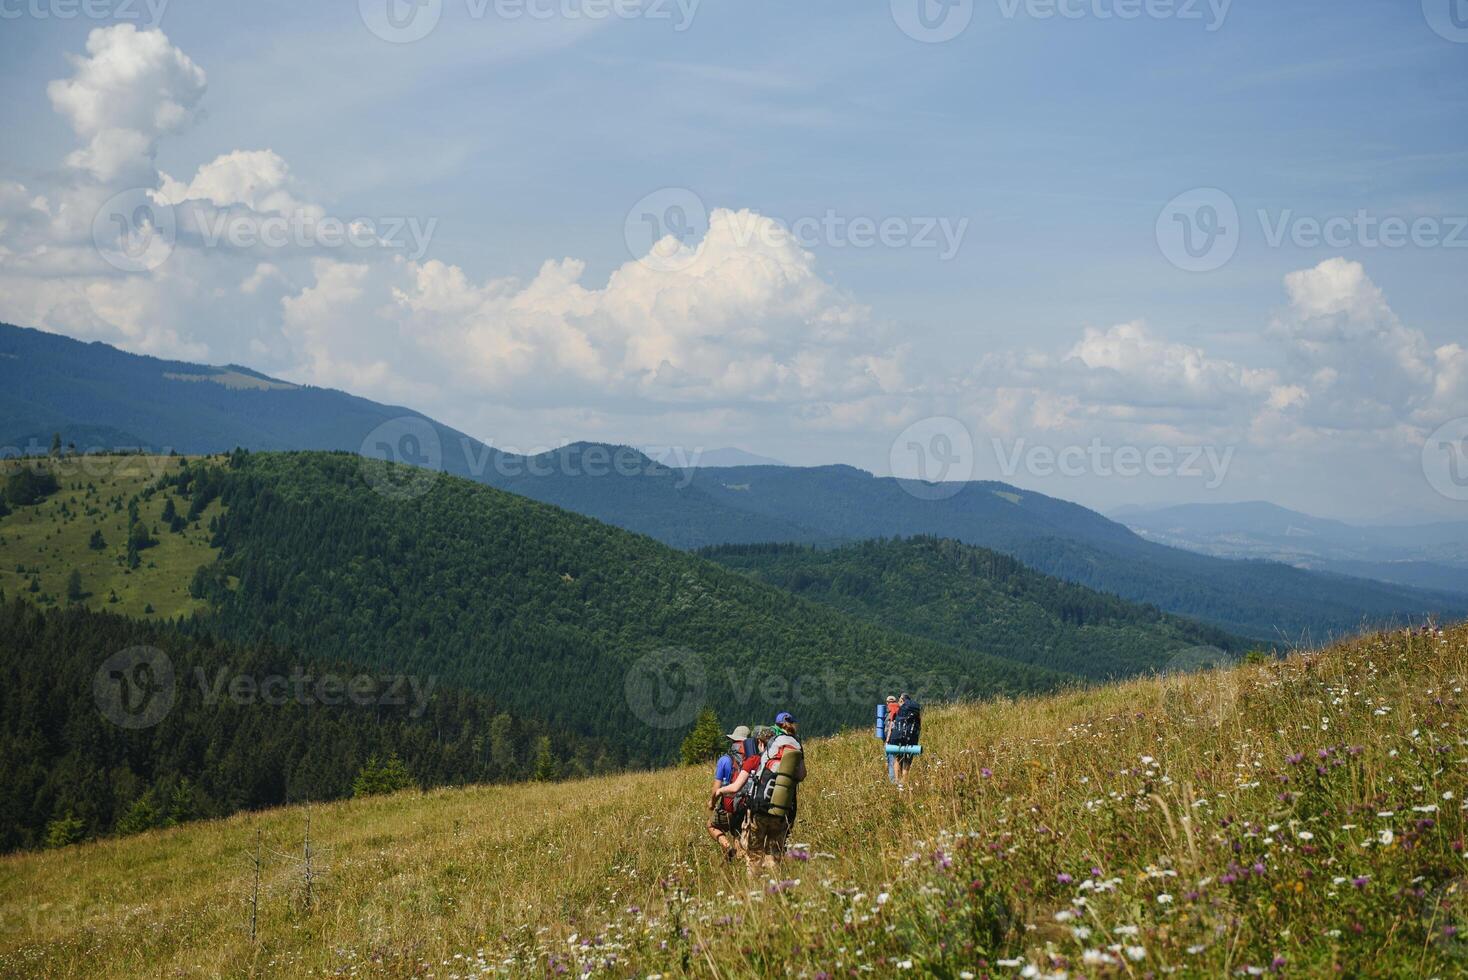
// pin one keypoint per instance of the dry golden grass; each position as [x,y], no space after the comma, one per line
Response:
[975,870]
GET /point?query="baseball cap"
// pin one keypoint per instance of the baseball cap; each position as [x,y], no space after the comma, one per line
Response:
[785,717]
[891,699]
[739,734]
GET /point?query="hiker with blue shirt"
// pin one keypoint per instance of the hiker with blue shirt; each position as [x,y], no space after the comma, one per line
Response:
[726,818]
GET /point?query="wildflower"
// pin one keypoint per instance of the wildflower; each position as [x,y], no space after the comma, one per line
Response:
[985,772]
[1386,837]
[1064,878]
[1360,880]
[1305,835]
[1164,899]
[1136,953]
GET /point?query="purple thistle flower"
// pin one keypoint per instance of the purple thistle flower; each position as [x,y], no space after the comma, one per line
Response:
[1064,878]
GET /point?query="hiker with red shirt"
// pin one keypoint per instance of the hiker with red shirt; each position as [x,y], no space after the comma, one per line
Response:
[768,832]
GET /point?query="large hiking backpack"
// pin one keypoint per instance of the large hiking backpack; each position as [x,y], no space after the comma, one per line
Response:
[907,726]
[759,789]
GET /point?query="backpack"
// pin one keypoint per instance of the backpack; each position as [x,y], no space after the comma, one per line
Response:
[760,786]
[907,726]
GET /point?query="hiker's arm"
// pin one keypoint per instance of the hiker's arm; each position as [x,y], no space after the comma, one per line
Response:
[729,789]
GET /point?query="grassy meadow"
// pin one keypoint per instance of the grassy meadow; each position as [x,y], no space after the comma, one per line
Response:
[41,545]
[1300,818]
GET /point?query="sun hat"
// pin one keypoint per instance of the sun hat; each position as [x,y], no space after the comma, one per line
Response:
[739,734]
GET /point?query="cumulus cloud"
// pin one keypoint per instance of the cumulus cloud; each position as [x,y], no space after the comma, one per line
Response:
[257,179]
[1348,375]
[748,317]
[132,88]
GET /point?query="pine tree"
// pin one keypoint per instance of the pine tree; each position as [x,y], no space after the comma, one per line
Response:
[501,743]
[74,591]
[546,766]
[64,830]
[97,542]
[56,444]
[704,741]
[382,776]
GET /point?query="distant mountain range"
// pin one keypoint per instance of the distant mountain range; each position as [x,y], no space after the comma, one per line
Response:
[1433,556]
[689,458]
[95,395]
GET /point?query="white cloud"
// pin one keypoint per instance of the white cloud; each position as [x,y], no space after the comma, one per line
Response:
[749,318]
[132,88]
[257,179]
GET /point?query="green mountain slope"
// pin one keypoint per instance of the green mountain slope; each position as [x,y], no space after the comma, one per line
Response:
[984,601]
[1261,599]
[580,624]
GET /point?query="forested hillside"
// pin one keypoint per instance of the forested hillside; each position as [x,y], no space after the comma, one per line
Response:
[1259,599]
[555,614]
[984,601]
[221,734]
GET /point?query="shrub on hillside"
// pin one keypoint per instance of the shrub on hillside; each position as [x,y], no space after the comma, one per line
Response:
[28,486]
[382,776]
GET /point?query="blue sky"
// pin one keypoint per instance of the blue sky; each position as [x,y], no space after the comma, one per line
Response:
[1054,142]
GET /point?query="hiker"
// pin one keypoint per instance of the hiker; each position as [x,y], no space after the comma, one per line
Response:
[905,730]
[885,713]
[726,822]
[735,795]
[769,831]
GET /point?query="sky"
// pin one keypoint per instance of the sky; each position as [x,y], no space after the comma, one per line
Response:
[1118,251]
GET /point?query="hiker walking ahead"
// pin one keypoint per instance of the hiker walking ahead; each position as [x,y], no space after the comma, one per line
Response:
[906,730]
[726,820]
[772,809]
[885,713]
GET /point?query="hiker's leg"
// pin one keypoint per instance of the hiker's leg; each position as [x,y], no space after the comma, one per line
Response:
[754,851]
